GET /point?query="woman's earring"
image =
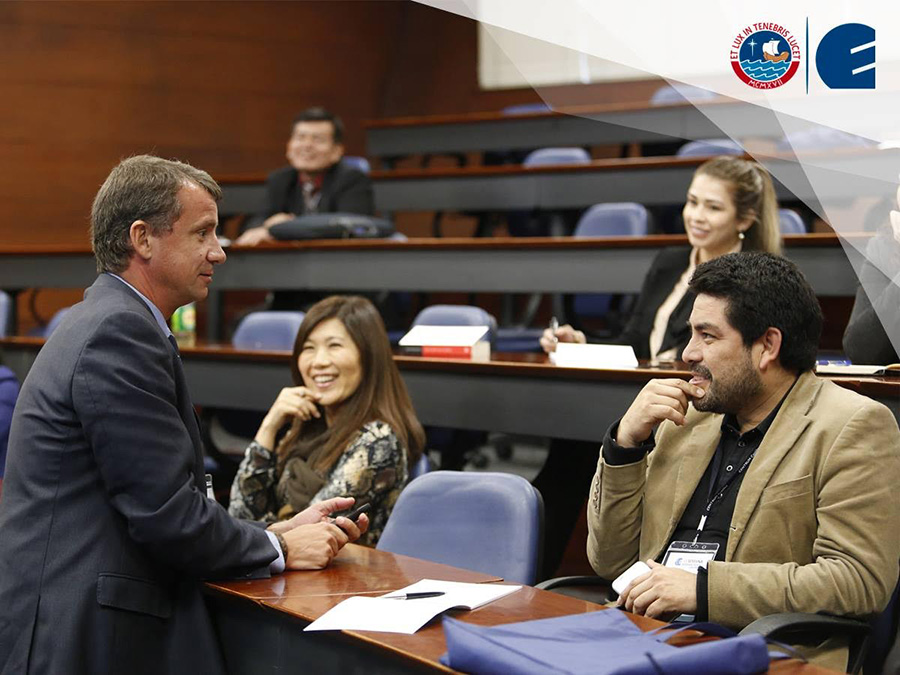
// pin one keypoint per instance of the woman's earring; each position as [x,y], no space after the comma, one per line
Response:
[741,236]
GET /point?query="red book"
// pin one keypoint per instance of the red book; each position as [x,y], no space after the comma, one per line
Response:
[480,351]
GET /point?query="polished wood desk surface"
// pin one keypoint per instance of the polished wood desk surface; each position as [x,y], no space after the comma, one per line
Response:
[357,570]
[531,365]
[512,393]
[812,240]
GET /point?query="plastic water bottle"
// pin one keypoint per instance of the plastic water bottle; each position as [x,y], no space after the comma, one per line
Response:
[184,325]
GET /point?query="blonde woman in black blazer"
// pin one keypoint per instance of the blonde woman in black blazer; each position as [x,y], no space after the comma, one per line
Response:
[730,207]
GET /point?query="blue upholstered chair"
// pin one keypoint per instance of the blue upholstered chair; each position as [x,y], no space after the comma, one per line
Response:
[710,147]
[790,222]
[227,432]
[421,467]
[487,522]
[621,219]
[526,109]
[267,330]
[9,392]
[679,93]
[819,137]
[360,163]
[556,156]
[624,219]
[5,312]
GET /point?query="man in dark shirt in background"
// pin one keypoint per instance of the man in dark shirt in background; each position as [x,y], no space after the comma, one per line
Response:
[316,180]
[764,488]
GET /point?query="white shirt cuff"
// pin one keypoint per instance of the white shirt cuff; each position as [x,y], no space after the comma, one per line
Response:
[277,565]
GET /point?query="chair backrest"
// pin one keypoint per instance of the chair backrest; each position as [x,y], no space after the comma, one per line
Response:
[679,93]
[621,219]
[526,109]
[421,467]
[790,222]
[9,391]
[456,315]
[360,163]
[5,307]
[710,147]
[268,330]
[55,320]
[487,522]
[551,156]
[820,137]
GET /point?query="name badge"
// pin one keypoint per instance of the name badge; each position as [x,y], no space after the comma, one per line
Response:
[689,556]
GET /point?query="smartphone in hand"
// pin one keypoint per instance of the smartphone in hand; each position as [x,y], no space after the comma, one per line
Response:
[356,513]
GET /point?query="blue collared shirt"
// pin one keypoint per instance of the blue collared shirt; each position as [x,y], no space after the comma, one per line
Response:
[276,566]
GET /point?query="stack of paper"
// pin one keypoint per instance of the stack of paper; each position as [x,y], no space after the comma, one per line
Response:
[389,614]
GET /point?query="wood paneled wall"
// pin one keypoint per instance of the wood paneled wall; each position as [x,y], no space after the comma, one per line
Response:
[216,84]
[213,83]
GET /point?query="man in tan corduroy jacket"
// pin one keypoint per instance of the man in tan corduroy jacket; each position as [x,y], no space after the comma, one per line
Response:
[788,482]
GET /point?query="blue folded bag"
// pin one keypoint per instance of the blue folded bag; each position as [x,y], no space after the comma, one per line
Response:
[602,642]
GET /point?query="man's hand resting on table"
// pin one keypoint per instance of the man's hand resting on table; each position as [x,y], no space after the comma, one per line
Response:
[313,538]
[662,593]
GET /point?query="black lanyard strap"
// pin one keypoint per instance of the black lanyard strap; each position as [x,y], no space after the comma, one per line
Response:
[721,493]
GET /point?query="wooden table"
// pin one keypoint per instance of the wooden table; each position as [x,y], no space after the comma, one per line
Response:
[260,622]
[508,265]
[572,125]
[513,393]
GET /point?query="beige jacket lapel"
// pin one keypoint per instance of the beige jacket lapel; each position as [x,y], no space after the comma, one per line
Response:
[695,456]
[786,428]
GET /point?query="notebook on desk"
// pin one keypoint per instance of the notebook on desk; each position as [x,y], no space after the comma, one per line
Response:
[390,613]
[848,369]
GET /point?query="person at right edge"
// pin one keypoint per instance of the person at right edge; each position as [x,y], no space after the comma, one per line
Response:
[779,486]
[730,206]
[873,331]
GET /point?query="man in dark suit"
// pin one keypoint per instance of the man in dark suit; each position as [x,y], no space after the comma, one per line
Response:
[316,180]
[105,524]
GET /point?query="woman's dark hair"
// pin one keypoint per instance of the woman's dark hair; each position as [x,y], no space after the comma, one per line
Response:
[381,394]
[765,291]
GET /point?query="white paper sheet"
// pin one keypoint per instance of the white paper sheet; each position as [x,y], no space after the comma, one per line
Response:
[573,355]
[391,615]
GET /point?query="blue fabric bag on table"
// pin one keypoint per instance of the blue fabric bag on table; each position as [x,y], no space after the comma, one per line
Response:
[605,642]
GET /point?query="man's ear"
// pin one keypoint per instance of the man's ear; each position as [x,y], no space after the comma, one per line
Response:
[140,239]
[770,343]
[337,152]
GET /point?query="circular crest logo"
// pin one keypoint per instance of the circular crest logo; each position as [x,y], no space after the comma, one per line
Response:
[765,55]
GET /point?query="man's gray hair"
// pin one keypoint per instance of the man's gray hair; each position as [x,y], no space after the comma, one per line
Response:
[145,188]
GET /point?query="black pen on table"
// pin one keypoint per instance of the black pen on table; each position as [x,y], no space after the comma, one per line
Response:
[415,596]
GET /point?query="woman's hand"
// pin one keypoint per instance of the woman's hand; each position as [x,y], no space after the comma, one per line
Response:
[563,334]
[292,403]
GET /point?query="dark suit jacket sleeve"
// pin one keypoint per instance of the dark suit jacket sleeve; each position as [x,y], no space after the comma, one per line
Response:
[664,272]
[866,339]
[353,193]
[125,398]
[277,187]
